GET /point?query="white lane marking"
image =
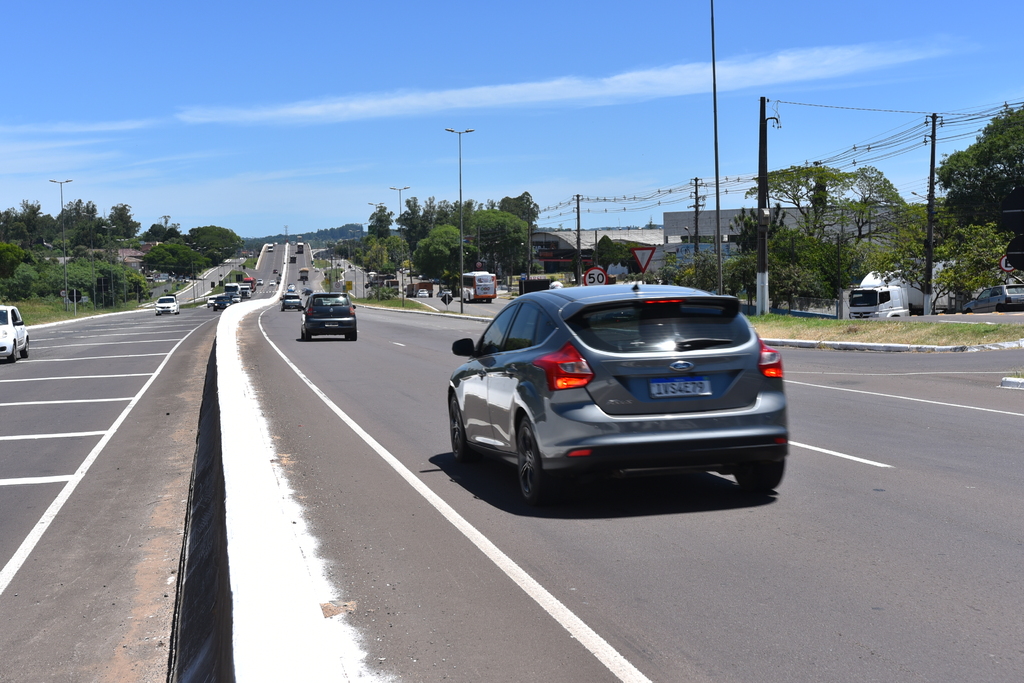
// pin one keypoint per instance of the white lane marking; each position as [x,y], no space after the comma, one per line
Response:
[908,398]
[897,374]
[48,379]
[598,646]
[24,481]
[28,545]
[70,400]
[95,336]
[838,455]
[111,343]
[62,435]
[397,344]
[73,360]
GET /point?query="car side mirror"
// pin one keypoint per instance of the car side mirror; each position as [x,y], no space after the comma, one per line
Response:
[464,347]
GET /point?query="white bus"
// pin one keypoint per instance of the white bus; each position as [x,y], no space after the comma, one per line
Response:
[479,286]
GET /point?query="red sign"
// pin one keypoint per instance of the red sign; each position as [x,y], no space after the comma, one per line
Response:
[643,256]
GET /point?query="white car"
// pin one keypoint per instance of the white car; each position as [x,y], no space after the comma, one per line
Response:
[13,334]
[167,304]
[259,282]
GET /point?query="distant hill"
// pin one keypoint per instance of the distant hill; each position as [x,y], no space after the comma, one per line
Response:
[320,238]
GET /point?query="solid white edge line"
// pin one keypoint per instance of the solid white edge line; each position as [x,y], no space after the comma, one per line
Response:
[36,480]
[47,379]
[64,435]
[111,343]
[72,400]
[74,360]
[907,398]
[598,646]
[25,549]
[839,455]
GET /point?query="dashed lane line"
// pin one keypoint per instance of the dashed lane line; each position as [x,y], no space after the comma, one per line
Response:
[27,481]
[62,435]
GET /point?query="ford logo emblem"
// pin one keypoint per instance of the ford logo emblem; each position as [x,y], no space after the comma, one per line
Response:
[681,366]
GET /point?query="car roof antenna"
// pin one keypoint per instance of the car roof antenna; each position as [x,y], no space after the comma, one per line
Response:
[636,287]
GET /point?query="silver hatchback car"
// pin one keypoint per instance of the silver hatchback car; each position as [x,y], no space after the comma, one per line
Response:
[623,380]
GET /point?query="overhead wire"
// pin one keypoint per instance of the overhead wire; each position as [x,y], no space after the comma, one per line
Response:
[897,141]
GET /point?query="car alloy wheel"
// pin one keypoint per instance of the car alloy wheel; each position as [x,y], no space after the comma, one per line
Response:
[461,449]
[537,486]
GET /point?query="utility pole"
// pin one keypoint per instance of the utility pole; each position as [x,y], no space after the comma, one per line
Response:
[929,246]
[718,196]
[763,212]
[579,248]
[697,204]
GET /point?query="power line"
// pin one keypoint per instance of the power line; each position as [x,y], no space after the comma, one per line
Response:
[894,142]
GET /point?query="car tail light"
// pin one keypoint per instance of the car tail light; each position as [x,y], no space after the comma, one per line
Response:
[309,311]
[770,362]
[565,368]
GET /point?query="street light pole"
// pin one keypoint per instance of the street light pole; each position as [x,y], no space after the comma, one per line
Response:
[397,215]
[64,240]
[462,251]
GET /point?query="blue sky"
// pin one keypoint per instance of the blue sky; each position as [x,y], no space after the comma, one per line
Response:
[257,115]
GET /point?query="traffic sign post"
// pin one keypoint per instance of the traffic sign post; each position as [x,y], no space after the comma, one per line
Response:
[1013,221]
[643,256]
[1004,265]
[595,276]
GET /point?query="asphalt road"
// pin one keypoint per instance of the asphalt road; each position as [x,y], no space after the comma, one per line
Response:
[892,551]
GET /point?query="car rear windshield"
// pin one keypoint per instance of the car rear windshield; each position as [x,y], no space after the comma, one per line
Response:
[166,300]
[330,300]
[662,325]
[1015,289]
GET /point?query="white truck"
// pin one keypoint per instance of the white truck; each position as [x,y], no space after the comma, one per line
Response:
[880,298]
[234,290]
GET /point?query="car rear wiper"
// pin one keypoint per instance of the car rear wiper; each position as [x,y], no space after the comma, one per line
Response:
[700,343]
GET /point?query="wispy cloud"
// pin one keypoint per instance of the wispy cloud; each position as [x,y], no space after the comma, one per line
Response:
[685,79]
[75,128]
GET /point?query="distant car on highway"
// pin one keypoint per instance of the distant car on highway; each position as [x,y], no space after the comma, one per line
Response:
[998,299]
[291,288]
[222,301]
[292,300]
[259,282]
[328,313]
[167,304]
[422,293]
[13,334]
[620,380]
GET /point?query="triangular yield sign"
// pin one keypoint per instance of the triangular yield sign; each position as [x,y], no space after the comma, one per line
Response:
[643,256]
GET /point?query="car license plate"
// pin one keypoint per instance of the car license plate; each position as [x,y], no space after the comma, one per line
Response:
[330,324]
[674,387]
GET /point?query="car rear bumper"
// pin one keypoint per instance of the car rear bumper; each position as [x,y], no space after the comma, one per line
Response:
[342,326]
[711,441]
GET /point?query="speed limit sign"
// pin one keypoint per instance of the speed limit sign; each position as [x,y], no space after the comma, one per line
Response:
[595,276]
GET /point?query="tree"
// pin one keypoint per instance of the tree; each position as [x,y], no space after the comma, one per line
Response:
[122,222]
[217,244]
[522,207]
[438,252]
[977,179]
[874,199]
[11,256]
[815,192]
[380,223]
[502,238]
[608,253]
[970,255]
[175,258]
